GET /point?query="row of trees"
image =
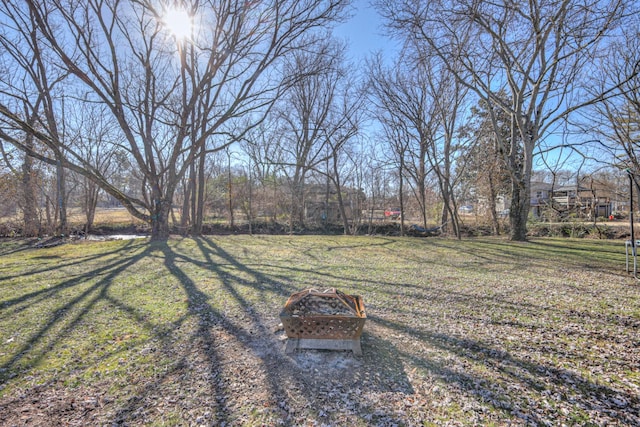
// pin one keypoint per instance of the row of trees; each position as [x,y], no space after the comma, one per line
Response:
[238,196]
[103,90]
[530,65]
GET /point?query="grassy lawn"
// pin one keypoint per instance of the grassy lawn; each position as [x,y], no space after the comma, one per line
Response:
[472,332]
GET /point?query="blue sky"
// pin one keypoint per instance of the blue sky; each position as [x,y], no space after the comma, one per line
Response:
[364,33]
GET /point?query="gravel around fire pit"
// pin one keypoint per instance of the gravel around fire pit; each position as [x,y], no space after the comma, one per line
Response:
[187,333]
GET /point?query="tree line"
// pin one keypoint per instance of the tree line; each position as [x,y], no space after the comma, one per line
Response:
[105,98]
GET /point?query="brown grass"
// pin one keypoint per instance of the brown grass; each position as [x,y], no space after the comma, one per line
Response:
[471,332]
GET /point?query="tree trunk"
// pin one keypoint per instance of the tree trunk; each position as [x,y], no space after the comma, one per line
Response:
[160,220]
[422,197]
[519,211]
[292,209]
[421,181]
[50,220]
[343,213]
[338,185]
[296,216]
[187,203]
[229,190]
[30,206]
[325,215]
[90,202]
[61,206]
[492,205]
[250,181]
[301,207]
[199,195]
[448,194]
[448,206]
[401,195]
[274,202]
[521,185]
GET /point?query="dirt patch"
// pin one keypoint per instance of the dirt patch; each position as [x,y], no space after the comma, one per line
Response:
[53,405]
[240,383]
[251,383]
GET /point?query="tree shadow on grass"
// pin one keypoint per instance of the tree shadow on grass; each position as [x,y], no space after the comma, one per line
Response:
[11,246]
[341,385]
[229,347]
[517,255]
[209,349]
[76,309]
[320,376]
[130,245]
[221,355]
[311,376]
[218,357]
[59,323]
[511,376]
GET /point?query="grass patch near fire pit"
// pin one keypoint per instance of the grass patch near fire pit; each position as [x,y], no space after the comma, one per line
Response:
[472,332]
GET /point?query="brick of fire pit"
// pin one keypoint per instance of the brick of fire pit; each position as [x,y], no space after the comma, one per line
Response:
[330,320]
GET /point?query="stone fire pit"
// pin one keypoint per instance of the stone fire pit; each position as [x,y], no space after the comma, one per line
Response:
[330,320]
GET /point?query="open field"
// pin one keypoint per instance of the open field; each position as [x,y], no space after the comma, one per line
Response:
[472,332]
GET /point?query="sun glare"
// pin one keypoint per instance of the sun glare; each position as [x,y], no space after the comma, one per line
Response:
[179,23]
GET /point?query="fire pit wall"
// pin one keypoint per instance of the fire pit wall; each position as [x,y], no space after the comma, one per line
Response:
[330,320]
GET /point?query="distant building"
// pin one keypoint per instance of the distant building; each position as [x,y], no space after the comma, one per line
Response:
[561,201]
[570,199]
[321,203]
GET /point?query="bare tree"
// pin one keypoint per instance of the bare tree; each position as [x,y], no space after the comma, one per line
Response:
[18,189]
[449,98]
[615,121]
[403,108]
[91,132]
[539,53]
[312,126]
[419,106]
[485,168]
[31,85]
[342,127]
[262,149]
[171,101]
[374,182]
[343,162]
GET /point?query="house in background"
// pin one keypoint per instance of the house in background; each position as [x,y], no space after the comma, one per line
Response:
[502,201]
[570,199]
[589,196]
[540,197]
[321,203]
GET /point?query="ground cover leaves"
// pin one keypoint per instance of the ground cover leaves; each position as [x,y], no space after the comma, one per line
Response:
[472,332]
